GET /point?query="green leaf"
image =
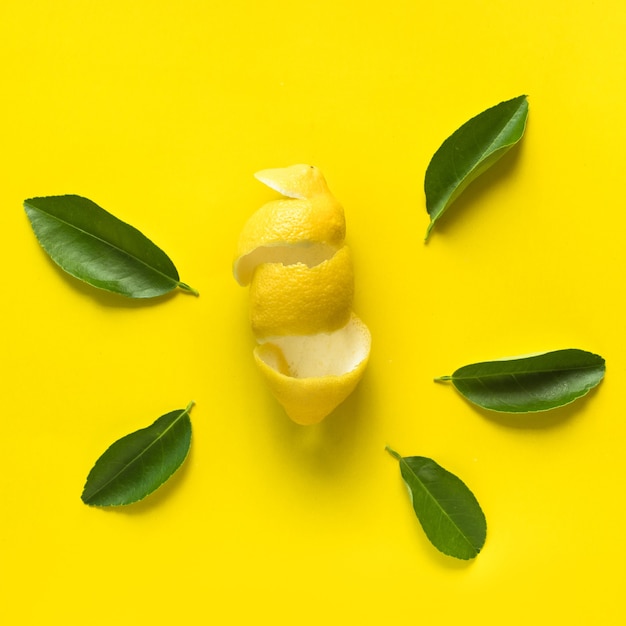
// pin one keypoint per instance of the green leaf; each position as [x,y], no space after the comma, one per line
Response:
[471,150]
[447,510]
[136,465]
[96,247]
[529,384]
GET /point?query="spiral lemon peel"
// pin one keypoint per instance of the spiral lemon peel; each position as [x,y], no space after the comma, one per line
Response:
[307,226]
[323,294]
[312,349]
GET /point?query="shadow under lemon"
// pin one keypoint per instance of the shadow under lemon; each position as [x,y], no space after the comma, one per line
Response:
[327,448]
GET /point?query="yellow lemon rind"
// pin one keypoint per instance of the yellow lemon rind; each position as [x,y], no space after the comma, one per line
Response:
[296,181]
[310,225]
[300,300]
[308,400]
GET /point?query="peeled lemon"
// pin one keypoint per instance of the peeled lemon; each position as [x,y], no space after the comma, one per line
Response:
[312,349]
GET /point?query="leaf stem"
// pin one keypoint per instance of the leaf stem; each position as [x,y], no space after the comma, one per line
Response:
[442,379]
[430,227]
[393,453]
[186,287]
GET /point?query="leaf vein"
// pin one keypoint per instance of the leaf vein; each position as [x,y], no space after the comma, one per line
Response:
[141,456]
[110,244]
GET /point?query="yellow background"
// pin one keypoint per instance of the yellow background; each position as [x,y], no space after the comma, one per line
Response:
[161,112]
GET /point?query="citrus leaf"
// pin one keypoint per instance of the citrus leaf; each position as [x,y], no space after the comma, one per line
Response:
[136,465]
[471,150]
[447,510]
[529,384]
[96,247]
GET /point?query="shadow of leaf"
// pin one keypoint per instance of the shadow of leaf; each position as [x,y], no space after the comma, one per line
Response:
[157,498]
[495,176]
[105,298]
[542,420]
[423,543]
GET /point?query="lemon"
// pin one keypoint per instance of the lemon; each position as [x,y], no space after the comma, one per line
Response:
[299,300]
[311,375]
[312,348]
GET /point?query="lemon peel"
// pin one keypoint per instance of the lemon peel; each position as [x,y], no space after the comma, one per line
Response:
[295,181]
[312,375]
[308,226]
[297,299]
[312,349]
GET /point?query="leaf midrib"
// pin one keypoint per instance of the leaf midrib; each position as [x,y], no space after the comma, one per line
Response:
[433,499]
[524,372]
[490,148]
[449,192]
[136,458]
[108,243]
[483,156]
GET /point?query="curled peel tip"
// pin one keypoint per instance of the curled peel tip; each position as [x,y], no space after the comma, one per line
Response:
[296,181]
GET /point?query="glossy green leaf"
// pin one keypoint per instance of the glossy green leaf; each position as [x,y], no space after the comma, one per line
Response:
[96,247]
[528,384]
[471,150]
[447,510]
[136,465]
